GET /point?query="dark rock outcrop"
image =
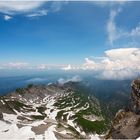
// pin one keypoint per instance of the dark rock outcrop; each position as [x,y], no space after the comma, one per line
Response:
[126,124]
[1,116]
[135,96]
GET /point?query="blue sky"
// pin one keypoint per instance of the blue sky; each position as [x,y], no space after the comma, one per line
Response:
[77,34]
[65,36]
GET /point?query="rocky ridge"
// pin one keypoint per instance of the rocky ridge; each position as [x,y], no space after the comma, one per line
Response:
[50,112]
[126,124]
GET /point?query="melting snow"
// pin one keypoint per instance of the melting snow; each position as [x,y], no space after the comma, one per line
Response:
[11,131]
[10,117]
[49,134]
[94,137]
[2,102]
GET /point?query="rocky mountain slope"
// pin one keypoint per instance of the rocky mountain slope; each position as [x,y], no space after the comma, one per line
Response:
[51,112]
[126,124]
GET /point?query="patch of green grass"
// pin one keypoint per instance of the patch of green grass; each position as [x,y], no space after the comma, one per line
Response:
[78,100]
[38,117]
[19,104]
[59,115]
[91,126]
[30,86]
[41,109]
[20,90]
[16,104]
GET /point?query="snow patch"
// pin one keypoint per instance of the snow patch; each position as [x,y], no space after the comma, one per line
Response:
[10,117]
[49,134]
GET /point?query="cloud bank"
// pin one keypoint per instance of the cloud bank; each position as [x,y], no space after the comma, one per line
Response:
[118,64]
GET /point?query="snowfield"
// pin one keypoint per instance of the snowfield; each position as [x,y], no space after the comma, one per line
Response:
[25,123]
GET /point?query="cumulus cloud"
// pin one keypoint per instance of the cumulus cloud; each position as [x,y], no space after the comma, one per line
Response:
[7,17]
[125,58]
[76,78]
[120,64]
[89,64]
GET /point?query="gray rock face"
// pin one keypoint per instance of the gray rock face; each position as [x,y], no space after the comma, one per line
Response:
[126,124]
[1,116]
[135,96]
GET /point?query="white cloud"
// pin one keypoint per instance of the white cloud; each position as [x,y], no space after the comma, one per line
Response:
[122,63]
[115,33]
[16,65]
[29,8]
[7,17]
[12,7]
[38,13]
[124,58]
[69,67]
[118,75]
[136,31]
[73,79]
[89,64]
[119,64]
[112,30]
